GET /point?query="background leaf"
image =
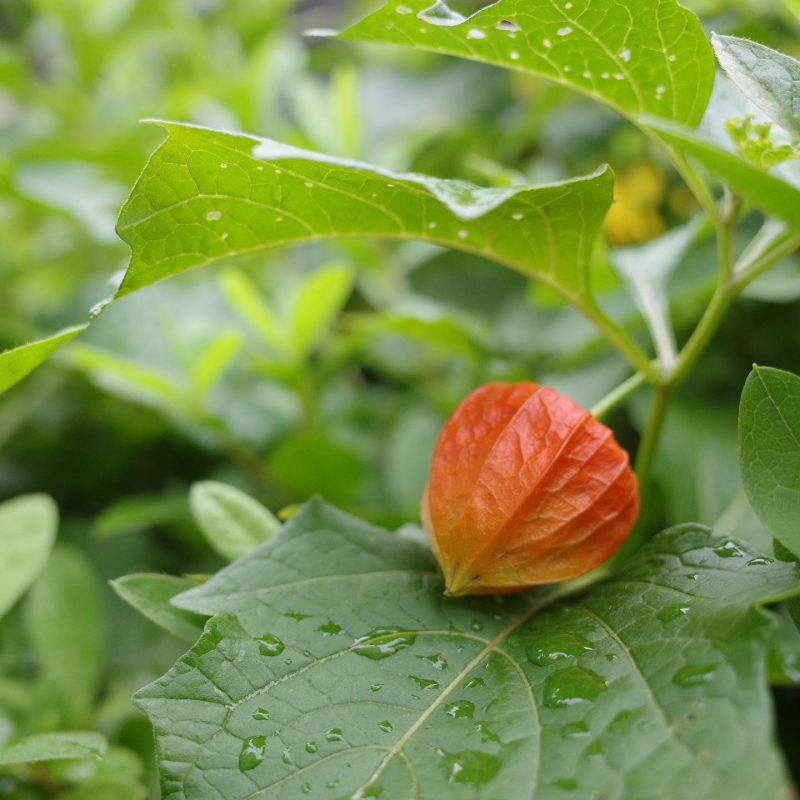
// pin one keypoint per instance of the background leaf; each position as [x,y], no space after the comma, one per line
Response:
[355,676]
[17,363]
[54,746]
[232,522]
[638,57]
[27,531]
[769,449]
[769,78]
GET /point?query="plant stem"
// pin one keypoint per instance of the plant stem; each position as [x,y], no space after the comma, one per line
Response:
[619,339]
[745,273]
[652,433]
[616,396]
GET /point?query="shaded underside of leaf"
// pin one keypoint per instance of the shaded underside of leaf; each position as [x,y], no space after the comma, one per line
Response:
[17,363]
[207,195]
[336,668]
[638,57]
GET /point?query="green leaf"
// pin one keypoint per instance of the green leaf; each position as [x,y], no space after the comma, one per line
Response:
[232,522]
[336,668]
[207,195]
[53,747]
[768,78]
[769,451]
[215,359]
[318,303]
[17,363]
[66,627]
[28,528]
[638,56]
[765,190]
[151,596]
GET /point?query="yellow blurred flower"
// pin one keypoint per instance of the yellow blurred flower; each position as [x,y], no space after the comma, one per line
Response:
[634,217]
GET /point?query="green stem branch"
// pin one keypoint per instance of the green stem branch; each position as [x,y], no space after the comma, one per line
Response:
[616,396]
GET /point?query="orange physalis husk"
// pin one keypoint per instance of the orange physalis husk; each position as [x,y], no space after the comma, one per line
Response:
[526,488]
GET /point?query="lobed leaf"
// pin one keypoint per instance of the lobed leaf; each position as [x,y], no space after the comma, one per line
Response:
[207,195]
[648,57]
[336,668]
[769,450]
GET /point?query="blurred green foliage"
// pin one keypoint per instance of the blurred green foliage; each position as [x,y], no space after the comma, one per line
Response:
[327,369]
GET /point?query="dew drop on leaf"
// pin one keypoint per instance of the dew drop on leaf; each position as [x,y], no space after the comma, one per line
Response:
[567,784]
[438,661]
[460,709]
[557,646]
[311,747]
[575,730]
[261,714]
[334,735]
[383,642]
[470,766]
[474,683]
[759,561]
[672,612]
[270,645]
[694,675]
[572,685]
[424,683]
[305,788]
[329,628]
[729,550]
[386,726]
[376,687]
[252,753]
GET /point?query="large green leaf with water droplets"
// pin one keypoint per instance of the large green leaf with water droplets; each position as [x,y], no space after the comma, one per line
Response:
[769,447]
[638,56]
[207,195]
[334,667]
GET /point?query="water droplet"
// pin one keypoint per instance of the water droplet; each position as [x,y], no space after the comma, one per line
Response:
[287,758]
[474,33]
[694,675]
[438,661]
[386,726]
[557,646]
[672,57]
[470,766]
[670,613]
[329,628]
[270,645]
[507,25]
[305,788]
[424,683]
[729,550]
[759,561]
[514,55]
[475,683]
[376,687]
[334,735]
[460,709]
[575,730]
[659,92]
[605,75]
[441,14]
[566,31]
[486,733]
[252,753]
[587,74]
[476,625]
[517,216]
[462,234]
[296,616]
[262,713]
[568,6]
[370,791]
[547,43]
[223,166]
[309,185]
[567,784]
[382,643]
[625,55]
[213,216]
[572,685]
[431,226]
[311,747]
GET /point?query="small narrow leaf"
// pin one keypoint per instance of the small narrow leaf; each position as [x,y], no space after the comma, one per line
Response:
[53,747]
[765,190]
[336,668]
[150,595]
[27,531]
[207,195]
[769,449]
[17,363]
[638,56]
[771,80]
[232,522]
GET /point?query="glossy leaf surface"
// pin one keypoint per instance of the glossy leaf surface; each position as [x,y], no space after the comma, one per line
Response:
[207,195]
[335,668]
[638,57]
